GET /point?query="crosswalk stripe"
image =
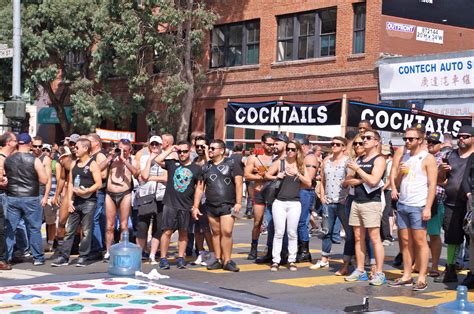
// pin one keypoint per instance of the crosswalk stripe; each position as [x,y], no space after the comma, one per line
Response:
[246,268]
[433,298]
[21,274]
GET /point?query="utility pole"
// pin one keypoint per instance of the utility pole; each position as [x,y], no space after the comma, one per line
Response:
[16,84]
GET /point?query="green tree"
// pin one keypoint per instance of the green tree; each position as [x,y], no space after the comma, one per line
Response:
[155,45]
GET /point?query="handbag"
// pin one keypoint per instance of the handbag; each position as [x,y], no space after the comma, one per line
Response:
[146,204]
[468,223]
[272,188]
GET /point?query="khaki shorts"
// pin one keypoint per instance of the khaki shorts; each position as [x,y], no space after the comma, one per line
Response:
[50,213]
[368,215]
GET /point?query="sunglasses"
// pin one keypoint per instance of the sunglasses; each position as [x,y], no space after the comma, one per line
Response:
[358,143]
[270,144]
[46,150]
[200,147]
[432,142]
[336,144]
[368,137]
[37,146]
[182,151]
[463,137]
[212,148]
[125,140]
[155,144]
[291,149]
[410,139]
[72,144]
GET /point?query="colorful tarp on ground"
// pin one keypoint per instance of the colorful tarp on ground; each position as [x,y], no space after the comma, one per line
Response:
[116,295]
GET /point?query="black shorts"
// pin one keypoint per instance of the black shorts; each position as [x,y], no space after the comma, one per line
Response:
[156,219]
[176,219]
[202,225]
[218,211]
[258,198]
[452,224]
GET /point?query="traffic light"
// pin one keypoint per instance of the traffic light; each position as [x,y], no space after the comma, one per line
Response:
[15,109]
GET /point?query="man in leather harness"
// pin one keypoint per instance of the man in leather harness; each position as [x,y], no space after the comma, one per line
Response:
[25,173]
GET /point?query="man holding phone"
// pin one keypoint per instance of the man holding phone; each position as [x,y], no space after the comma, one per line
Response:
[122,169]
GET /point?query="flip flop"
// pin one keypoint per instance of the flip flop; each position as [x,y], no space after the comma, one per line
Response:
[434,273]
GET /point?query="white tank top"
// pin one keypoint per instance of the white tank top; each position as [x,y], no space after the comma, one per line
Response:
[414,185]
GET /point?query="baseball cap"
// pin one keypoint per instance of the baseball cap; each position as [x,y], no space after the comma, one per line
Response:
[303,141]
[156,138]
[281,137]
[47,146]
[386,150]
[23,138]
[435,137]
[466,129]
[74,138]
[420,126]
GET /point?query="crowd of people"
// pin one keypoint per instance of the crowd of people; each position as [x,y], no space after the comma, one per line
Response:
[87,194]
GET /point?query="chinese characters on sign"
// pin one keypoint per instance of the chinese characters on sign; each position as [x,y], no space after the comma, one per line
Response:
[453,80]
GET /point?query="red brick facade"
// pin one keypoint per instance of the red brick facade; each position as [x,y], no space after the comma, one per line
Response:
[317,78]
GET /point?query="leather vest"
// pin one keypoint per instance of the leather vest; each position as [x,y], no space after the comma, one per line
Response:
[21,174]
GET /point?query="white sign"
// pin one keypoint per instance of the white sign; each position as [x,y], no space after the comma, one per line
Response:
[445,78]
[430,35]
[115,136]
[398,27]
[6,53]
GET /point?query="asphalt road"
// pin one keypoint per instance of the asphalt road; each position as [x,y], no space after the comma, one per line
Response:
[302,291]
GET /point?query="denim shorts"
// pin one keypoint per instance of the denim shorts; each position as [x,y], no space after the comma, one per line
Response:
[410,217]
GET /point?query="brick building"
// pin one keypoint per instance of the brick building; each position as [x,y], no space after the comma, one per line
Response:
[317,50]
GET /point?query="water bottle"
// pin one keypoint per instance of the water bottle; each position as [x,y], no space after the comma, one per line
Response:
[460,306]
[77,181]
[125,257]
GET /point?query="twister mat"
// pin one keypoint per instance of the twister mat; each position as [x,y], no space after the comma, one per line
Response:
[116,295]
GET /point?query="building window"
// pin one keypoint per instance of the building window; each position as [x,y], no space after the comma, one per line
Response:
[210,123]
[249,135]
[307,35]
[359,28]
[235,44]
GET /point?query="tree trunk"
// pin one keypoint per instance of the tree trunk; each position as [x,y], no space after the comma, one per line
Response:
[58,105]
[187,102]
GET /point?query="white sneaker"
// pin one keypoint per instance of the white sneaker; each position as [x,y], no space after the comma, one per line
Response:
[200,258]
[153,261]
[319,265]
[210,259]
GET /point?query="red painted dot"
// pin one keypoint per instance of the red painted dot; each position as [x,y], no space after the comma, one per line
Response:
[166,307]
[112,283]
[202,303]
[130,311]
[15,291]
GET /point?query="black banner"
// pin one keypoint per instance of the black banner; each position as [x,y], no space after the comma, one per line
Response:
[399,119]
[284,113]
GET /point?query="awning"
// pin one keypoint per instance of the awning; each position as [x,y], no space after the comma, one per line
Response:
[48,115]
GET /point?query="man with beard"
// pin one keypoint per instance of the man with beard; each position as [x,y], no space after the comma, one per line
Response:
[417,176]
[25,173]
[255,169]
[183,180]
[279,150]
[223,183]
[201,226]
[453,170]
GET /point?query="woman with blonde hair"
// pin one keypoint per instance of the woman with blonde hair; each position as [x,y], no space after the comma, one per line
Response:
[286,208]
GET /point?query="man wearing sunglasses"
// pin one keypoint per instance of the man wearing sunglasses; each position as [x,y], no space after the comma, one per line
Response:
[255,169]
[222,181]
[416,177]
[366,211]
[122,169]
[25,173]
[456,171]
[183,178]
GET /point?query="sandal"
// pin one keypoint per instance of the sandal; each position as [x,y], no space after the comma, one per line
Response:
[434,273]
[343,271]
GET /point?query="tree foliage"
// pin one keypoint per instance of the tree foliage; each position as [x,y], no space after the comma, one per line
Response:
[78,51]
